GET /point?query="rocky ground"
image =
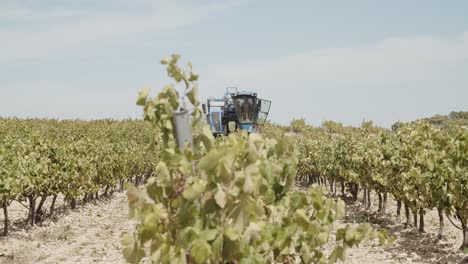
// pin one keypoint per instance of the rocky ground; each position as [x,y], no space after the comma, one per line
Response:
[91,234]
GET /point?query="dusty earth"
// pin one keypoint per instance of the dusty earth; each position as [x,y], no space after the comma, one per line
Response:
[91,234]
[410,246]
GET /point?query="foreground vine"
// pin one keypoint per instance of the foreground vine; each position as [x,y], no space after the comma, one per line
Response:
[229,200]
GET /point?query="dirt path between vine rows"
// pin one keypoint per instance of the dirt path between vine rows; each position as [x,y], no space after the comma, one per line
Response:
[91,234]
[410,246]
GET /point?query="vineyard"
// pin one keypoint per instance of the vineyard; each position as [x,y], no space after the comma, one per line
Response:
[41,159]
[274,197]
[421,166]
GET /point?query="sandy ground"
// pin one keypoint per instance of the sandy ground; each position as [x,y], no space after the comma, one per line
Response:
[91,234]
[409,246]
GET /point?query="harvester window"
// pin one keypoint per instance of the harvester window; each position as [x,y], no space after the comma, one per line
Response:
[246,109]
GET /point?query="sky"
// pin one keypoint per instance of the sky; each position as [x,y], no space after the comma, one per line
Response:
[346,61]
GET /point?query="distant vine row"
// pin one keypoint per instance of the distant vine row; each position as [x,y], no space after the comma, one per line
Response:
[422,166]
[41,159]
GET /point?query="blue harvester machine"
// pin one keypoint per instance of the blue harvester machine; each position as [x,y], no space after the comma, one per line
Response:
[236,110]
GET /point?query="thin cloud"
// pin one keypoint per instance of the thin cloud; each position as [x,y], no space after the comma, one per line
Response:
[65,30]
[397,78]
[388,75]
[408,58]
[52,99]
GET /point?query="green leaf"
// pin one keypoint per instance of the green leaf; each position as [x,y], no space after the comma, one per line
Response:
[297,200]
[322,238]
[337,254]
[249,185]
[301,219]
[189,234]
[206,137]
[209,161]
[142,97]
[340,209]
[252,174]
[193,95]
[181,258]
[193,77]
[209,234]
[340,234]
[217,246]
[383,236]
[200,251]
[220,197]
[132,251]
[187,214]
[252,232]
[175,58]
[349,236]
[232,233]
[194,191]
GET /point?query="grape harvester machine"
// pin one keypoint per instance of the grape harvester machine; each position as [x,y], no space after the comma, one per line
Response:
[236,110]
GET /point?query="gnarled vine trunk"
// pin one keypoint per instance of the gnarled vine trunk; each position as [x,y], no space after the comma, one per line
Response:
[364,196]
[355,191]
[415,217]
[343,189]
[380,202]
[464,246]
[464,227]
[32,209]
[399,210]
[52,206]
[39,212]
[6,221]
[311,179]
[407,214]
[441,223]
[384,208]
[368,198]
[334,187]
[421,220]
[73,203]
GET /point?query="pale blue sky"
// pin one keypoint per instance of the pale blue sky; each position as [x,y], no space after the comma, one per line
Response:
[340,60]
